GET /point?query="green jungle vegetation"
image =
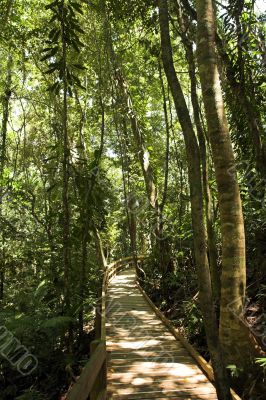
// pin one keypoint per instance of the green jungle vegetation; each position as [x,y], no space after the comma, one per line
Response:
[132,127]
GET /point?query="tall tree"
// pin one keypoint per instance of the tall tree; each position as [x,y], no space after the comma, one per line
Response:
[197,207]
[5,105]
[234,339]
[186,34]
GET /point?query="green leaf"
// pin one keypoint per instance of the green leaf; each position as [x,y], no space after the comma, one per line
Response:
[57,323]
[70,91]
[79,66]
[76,43]
[76,79]
[46,49]
[45,57]
[77,7]
[54,34]
[261,361]
[53,51]
[69,76]
[77,27]
[52,5]
[75,46]
[53,88]
[54,17]
[51,70]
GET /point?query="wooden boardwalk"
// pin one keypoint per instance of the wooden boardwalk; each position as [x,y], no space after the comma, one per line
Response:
[145,361]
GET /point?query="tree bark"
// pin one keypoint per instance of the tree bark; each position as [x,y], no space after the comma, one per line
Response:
[5,103]
[65,183]
[240,95]
[197,207]
[234,340]
[142,151]
[128,193]
[212,249]
[163,244]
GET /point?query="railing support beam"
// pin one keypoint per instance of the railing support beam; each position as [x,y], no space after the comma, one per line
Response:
[99,388]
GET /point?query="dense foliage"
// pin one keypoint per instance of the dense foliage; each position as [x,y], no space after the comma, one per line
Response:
[93,167]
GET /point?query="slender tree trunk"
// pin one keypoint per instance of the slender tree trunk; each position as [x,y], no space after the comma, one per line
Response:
[65,189]
[234,339]
[182,207]
[100,249]
[8,9]
[143,154]
[128,194]
[213,253]
[163,242]
[5,103]
[212,248]
[197,207]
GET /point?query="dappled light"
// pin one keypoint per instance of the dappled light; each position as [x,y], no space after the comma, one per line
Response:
[144,358]
[132,199]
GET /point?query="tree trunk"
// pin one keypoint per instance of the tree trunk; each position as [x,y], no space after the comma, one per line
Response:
[212,249]
[5,104]
[197,207]
[142,151]
[65,189]
[163,244]
[234,340]
[128,192]
[240,94]
[99,246]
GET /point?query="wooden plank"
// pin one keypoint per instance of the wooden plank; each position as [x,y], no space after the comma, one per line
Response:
[169,347]
[163,387]
[143,345]
[127,322]
[157,396]
[155,375]
[151,349]
[177,395]
[133,331]
[173,369]
[140,339]
[115,355]
[162,359]
[129,379]
[198,358]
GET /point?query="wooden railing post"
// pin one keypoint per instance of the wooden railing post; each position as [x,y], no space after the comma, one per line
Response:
[98,391]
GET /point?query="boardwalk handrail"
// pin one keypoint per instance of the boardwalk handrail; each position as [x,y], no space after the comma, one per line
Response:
[92,381]
[202,363]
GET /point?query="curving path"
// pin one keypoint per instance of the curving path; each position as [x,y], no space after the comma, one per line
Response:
[145,361]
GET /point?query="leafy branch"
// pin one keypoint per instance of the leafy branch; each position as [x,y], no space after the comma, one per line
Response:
[65,31]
